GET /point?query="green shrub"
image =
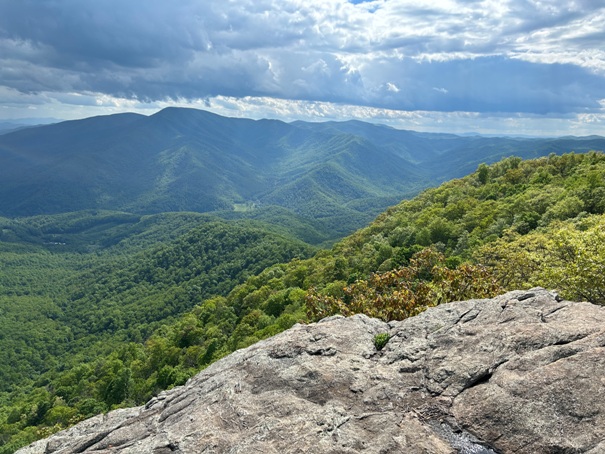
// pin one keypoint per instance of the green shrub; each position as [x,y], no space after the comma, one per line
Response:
[380,340]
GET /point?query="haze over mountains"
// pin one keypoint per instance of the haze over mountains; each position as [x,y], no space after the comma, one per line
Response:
[338,173]
[103,308]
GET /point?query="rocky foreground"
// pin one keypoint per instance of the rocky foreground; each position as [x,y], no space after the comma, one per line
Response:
[520,373]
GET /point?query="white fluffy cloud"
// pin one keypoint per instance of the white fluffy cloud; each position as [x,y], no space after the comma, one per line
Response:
[531,57]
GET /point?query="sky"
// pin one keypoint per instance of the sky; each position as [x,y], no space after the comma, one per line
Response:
[521,67]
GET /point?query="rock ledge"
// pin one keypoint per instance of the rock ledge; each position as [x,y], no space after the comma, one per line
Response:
[520,373]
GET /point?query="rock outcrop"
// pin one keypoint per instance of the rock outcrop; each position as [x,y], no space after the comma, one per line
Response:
[520,373]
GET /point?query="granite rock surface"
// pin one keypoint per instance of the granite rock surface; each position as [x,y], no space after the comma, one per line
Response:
[521,373]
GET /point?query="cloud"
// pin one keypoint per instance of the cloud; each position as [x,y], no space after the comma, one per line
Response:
[455,122]
[392,87]
[439,55]
[74,105]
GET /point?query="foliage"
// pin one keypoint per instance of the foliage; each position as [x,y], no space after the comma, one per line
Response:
[147,303]
[380,340]
[77,327]
[578,258]
[567,256]
[408,290]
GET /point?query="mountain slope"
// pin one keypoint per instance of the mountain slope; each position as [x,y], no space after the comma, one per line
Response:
[543,217]
[56,298]
[192,160]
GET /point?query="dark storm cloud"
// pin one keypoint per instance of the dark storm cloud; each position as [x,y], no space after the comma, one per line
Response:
[515,56]
[82,34]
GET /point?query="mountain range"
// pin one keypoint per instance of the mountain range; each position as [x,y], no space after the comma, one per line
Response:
[103,309]
[337,174]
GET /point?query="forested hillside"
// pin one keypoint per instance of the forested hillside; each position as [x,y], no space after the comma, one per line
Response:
[332,177]
[67,302]
[514,223]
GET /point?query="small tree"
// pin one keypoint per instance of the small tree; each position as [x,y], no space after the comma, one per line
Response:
[483,173]
[577,263]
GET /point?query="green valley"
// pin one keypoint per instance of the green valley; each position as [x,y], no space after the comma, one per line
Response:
[78,287]
[135,251]
[139,304]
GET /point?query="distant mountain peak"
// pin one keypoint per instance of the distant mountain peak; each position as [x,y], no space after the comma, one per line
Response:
[184,159]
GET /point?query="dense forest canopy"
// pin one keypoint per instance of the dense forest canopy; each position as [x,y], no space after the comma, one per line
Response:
[101,283]
[143,317]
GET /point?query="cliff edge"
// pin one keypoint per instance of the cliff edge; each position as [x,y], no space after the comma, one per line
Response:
[523,372]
